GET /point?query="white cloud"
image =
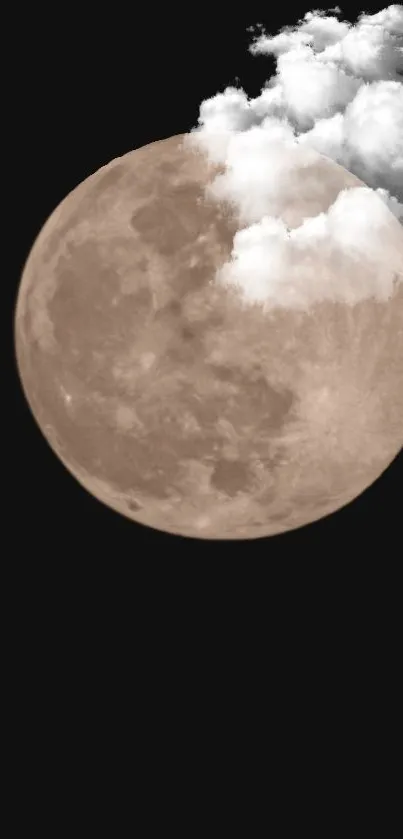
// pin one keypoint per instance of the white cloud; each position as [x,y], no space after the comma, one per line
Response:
[336,90]
[338,256]
[394,205]
[373,132]
[324,30]
[327,137]
[368,137]
[372,49]
[260,167]
[313,89]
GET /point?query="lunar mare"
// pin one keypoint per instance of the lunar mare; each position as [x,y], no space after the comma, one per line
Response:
[170,400]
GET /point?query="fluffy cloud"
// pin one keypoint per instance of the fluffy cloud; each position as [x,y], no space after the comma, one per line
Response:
[372,49]
[260,166]
[368,137]
[337,90]
[394,205]
[335,256]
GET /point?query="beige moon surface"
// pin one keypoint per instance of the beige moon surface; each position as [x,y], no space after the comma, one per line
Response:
[167,398]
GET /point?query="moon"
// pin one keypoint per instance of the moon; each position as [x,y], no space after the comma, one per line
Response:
[165,396]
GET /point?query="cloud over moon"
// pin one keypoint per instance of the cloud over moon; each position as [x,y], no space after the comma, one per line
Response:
[274,265]
[337,90]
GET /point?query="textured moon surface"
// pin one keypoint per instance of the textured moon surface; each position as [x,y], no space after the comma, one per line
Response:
[164,395]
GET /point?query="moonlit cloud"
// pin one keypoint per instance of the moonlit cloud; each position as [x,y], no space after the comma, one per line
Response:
[367,139]
[275,266]
[337,90]
[259,169]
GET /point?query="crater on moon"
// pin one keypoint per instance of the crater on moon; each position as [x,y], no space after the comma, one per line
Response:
[168,398]
[231,476]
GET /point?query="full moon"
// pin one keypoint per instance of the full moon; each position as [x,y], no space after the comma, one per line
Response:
[166,396]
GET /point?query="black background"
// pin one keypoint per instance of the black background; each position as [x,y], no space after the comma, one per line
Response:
[88,89]
[119,661]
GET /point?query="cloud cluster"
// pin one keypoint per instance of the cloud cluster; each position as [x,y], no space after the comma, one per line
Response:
[368,137]
[337,90]
[336,256]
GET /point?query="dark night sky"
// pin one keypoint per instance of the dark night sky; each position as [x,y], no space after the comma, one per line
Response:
[92,90]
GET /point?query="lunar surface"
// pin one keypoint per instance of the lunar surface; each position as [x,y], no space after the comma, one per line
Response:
[170,400]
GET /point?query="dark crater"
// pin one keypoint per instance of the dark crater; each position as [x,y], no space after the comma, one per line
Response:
[134,506]
[231,476]
[256,397]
